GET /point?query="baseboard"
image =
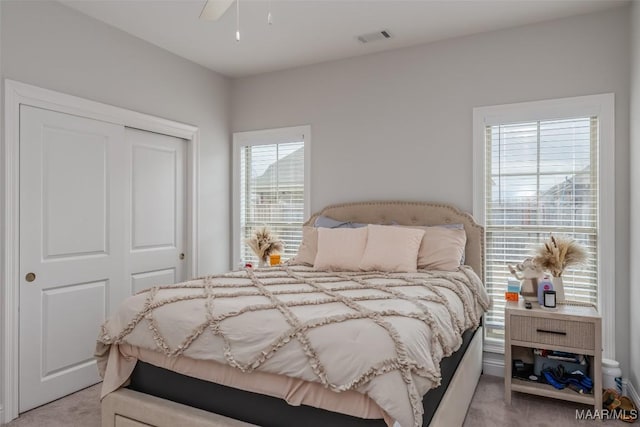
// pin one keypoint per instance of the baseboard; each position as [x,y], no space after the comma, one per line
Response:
[493,364]
[633,394]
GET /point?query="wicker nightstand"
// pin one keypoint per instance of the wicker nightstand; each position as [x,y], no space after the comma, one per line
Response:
[573,329]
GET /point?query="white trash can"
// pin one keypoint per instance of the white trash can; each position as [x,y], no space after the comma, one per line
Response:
[611,375]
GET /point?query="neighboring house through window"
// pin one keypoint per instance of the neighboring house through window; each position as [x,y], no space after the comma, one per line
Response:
[271,187]
[546,168]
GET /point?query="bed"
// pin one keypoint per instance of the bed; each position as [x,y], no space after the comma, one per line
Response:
[173,380]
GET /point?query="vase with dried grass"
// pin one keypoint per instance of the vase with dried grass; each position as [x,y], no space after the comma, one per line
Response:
[264,243]
[556,255]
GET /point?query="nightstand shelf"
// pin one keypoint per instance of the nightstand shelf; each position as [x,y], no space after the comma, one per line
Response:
[572,329]
[549,391]
[550,347]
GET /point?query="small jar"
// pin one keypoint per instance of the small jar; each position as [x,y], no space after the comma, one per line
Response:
[274,259]
[611,375]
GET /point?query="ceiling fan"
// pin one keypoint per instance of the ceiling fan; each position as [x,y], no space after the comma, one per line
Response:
[214,9]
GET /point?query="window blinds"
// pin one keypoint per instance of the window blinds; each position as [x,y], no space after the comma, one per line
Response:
[541,178]
[272,194]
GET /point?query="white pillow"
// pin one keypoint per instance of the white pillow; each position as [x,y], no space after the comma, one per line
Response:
[340,249]
[308,248]
[391,248]
[442,248]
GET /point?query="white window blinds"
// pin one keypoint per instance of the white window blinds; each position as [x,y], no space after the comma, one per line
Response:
[272,193]
[541,178]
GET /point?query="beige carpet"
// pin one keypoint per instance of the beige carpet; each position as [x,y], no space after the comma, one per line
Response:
[487,409]
[81,409]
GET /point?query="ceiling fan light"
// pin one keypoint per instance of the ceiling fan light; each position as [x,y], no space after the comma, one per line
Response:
[237,20]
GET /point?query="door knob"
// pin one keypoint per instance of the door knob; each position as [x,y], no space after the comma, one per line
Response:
[182,256]
[30,277]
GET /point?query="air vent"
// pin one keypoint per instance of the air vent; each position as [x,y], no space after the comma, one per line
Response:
[373,37]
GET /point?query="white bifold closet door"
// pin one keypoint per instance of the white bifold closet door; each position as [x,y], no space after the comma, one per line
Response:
[102,215]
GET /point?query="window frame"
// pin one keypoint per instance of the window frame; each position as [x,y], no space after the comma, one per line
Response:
[266,137]
[602,106]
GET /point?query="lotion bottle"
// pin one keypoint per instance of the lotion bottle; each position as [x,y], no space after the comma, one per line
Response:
[544,285]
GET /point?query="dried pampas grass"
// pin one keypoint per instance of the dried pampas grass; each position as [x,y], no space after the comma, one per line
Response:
[558,254]
[264,243]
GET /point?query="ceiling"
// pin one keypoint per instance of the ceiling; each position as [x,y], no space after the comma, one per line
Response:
[311,31]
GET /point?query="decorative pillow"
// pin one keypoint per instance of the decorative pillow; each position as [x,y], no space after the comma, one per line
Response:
[309,246]
[327,222]
[391,248]
[457,227]
[340,249]
[442,248]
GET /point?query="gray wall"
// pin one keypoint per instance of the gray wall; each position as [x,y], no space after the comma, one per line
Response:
[393,125]
[47,44]
[634,337]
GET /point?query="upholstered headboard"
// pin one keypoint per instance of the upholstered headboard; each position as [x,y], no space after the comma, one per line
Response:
[413,213]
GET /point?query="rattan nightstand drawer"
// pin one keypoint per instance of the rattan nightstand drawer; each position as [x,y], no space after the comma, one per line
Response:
[554,332]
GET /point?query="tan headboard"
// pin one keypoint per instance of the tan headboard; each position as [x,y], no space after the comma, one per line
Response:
[413,213]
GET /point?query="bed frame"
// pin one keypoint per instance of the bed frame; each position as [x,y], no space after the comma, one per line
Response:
[127,408]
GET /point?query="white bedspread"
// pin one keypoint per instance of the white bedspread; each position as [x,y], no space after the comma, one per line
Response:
[382,334]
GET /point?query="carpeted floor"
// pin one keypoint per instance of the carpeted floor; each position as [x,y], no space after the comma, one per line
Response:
[82,409]
[488,409]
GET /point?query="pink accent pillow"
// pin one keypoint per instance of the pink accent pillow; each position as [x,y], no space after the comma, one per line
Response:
[442,248]
[391,248]
[340,249]
[309,246]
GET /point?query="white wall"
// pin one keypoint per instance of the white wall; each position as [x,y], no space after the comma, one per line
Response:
[634,337]
[49,45]
[393,125]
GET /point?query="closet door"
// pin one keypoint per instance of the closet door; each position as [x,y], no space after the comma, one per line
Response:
[157,209]
[72,248]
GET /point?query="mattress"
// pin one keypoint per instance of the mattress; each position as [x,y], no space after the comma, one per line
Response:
[269,411]
[379,334]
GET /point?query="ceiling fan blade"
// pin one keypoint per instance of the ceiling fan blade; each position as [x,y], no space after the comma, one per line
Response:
[214,9]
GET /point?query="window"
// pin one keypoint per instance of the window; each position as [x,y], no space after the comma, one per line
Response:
[540,168]
[271,170]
